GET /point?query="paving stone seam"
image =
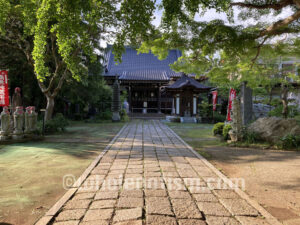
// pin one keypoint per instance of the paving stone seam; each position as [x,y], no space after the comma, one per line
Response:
[271,219]
[68,195]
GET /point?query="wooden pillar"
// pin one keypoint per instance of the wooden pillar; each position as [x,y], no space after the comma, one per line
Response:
[177,104]
[159,100]
[173,106]
[194,105]
[129,98]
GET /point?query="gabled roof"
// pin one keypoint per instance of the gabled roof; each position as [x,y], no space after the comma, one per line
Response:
[142,66]
[186,81]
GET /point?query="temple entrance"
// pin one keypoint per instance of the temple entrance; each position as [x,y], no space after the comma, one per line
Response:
[144,100]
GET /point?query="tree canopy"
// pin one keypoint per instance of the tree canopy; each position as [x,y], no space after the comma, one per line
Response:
[58,37]
[247,26]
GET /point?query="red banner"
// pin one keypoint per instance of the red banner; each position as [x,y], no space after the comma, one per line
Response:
[214,99]
[232,96]
[4,95]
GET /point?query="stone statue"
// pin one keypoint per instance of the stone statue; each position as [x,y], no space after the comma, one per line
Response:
[18,123]
[5,124]
[16,99]
[30,120]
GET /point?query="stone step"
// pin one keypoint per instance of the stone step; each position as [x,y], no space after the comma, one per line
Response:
[188,120]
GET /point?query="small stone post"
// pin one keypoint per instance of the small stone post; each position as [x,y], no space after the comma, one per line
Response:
[236,132]
[116,106]
[18,123]
[5,124]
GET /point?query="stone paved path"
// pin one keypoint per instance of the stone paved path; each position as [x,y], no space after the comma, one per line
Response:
[149,176]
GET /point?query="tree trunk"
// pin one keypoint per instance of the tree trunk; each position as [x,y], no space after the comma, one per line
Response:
[49,108]
[284,99]
[270,96]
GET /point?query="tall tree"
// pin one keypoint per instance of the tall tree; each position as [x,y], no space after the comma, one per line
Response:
[183,27]
[57,35]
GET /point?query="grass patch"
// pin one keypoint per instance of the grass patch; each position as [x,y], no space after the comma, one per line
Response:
[31,173]
[199,136]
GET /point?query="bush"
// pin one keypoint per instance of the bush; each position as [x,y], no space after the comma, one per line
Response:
[57,123]
[289,141]
[250,137]
[226,130]
[105,115]
[218,117]
[124,116]
[218,129]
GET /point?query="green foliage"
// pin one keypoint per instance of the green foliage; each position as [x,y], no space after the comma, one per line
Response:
[250,137]
[205,109]
[124,116]
[289,141]
[106,115]
[218,129]
[57,124]
[218,117]
[226,130]
[277,111]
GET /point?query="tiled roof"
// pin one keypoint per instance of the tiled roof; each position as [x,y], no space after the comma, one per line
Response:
[142,66]
[186,81]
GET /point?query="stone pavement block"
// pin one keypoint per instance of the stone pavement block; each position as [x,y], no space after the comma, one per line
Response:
[185,209]
[152,169]
[194,182]
[73,222]
[199,190]
[106,195]
[99,171]
[155,193]
[120,172]
[160,220]
[205,198]
[179,195]
[98,214]
[132,193]
[192,222]
[152,174]
[132,222]
[249,220]
[86,189]
[82,196]
[103,204]
[239,207]
[231,194]
[139,171]
[132,175]
[217,220]
[213,208]
[170,174]
[187,173]
[158,205]
[128,214]
[75,214]
[95,222]
[77,204]
[130,202]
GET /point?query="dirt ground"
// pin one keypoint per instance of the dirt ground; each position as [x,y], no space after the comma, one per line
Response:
[31,174]
[272,178]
